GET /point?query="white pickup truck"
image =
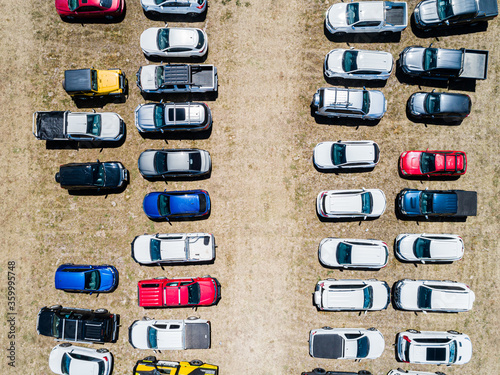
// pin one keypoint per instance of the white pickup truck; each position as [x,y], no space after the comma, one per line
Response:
[191,333]
[383,17]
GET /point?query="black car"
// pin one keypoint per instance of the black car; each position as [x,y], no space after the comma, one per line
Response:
[92,176]
[321,371]
[79,325]
[439,105]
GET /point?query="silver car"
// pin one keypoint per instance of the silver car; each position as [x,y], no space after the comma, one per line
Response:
[346,155]
[358,64]
[174,42]
[349,103]
[428,248]
[174,163]
[433,295]
[353,253]
[166,117]
[439,105]
[192,8]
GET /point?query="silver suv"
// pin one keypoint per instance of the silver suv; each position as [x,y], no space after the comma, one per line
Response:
[191,8]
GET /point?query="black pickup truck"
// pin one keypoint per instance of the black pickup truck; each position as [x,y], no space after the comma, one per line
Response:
[78,325]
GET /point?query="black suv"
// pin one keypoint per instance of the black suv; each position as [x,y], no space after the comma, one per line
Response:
[97,175]
[80,325]
[320,371]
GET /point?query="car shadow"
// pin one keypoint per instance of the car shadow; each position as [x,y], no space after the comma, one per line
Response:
[179,179]
[176,17]
[343,171]
[322,120]
[362,38]
[355,82]
[101,192]
[181,219]
[178,264]
[181,135]
[177,60]
[181,97]
[72,145]
[343,220]
[98,102]
[480,26]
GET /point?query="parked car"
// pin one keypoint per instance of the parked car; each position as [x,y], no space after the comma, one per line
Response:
[192,333]
[358,64]
[192,8]
[174,42]
[437,203]
[92,176]
[78,325]
[349,103]
[351,204]
[172,248]
[429,248]
[86,278]
[346,343]
[153,366]
[353,253]
[176,204]
[400,371]
[384,17]
[443,106]
[171,117]
[351,295]
[179,292]
[174,163]
[430,163]
[346,155]
[66,359]
[90,9]
[95,83]
[322,371]
[433,347]
[433,295]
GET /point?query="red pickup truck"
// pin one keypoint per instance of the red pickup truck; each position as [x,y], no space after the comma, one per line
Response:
[183,292]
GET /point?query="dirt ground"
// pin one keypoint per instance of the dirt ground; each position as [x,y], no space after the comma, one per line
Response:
[269,55]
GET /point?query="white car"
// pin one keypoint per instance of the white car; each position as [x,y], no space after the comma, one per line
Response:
[351,295]
[351,204]
[192,8]
[76,360]
[168,248]
[346,343]
[427,248]
[353,253]
[400,371]
[433,295]
[358,64]
[433,347]
[174,42]
[346,155]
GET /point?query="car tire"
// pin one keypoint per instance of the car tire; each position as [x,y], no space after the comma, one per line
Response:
[67,264]
[412,331]
[372,329]
[340,34]
[196,362]
[109,18]
[386,33]
[440,373]
[101,311]
[65,345]
[151,358]
[192,15]
[319,370]
[161,278]
[326,327]
[55,307]
[193,317]
[102,350]
[454,332]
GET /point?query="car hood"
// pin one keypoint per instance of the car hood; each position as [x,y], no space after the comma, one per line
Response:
[413,58]
[379,202]
[111,125]
[108,80]
[62,5]
[381,294]
[208,292]
[44,324]
[149,39]
[334,60]
[323,154]
[147,77]
[141,249]
[150,205]
[146,162]
[408,295]
[411,161]
[144,116]
[113,174]
[138,334]
[328,251]
[417,103]
[378,104]
[428,12]
[465,351]
[411,202]
[337,15]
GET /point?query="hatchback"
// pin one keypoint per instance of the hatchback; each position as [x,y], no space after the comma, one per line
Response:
[174,163]
[346,155]
[68,359]
[439,105]
[428,248]
[176,204]
[192,8]
[353,253]
[174,42]
[351,204]
[86,278]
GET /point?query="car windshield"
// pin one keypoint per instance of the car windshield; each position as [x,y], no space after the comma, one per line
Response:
[106,3]
[99,174]
[55,326]
[338,154]
[155,249]
[152,342]
[432,103]
[194,293]
[368,297]
[427,162]
[159,76]
[344,253]
[65,362]
[201,39]
[159,116]
[93,77]
[352,13]
[94,124]
[163,205]
[366,203]
[161,162]
[453,352]
[422,248]
[73,4]
[363,347]
[430,58]
[424,297]
[163,39]
[444,9]
[366,102]
[92,280]
[426,203]
[349,61]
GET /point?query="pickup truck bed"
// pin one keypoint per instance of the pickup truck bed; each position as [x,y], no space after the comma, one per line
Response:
[396,14]
[466,203]
[475,64]
[49,125]
[197,336]
[202,76]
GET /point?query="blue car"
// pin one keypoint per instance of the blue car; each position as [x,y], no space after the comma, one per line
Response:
[86,278]
[176,204]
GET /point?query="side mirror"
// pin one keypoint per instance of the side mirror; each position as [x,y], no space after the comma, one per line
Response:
[447,22]
[427,217]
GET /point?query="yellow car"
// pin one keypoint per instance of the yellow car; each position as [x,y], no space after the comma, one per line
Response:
[85,83]
[151,366]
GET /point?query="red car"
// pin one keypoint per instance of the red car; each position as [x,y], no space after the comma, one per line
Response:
[188,292]
[433,163]
[72,9]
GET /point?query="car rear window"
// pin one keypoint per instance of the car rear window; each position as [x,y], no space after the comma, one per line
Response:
[424,297]
[338,154]
[154,249]
[344,252]
[92,280]
[368,297]
[366,203]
